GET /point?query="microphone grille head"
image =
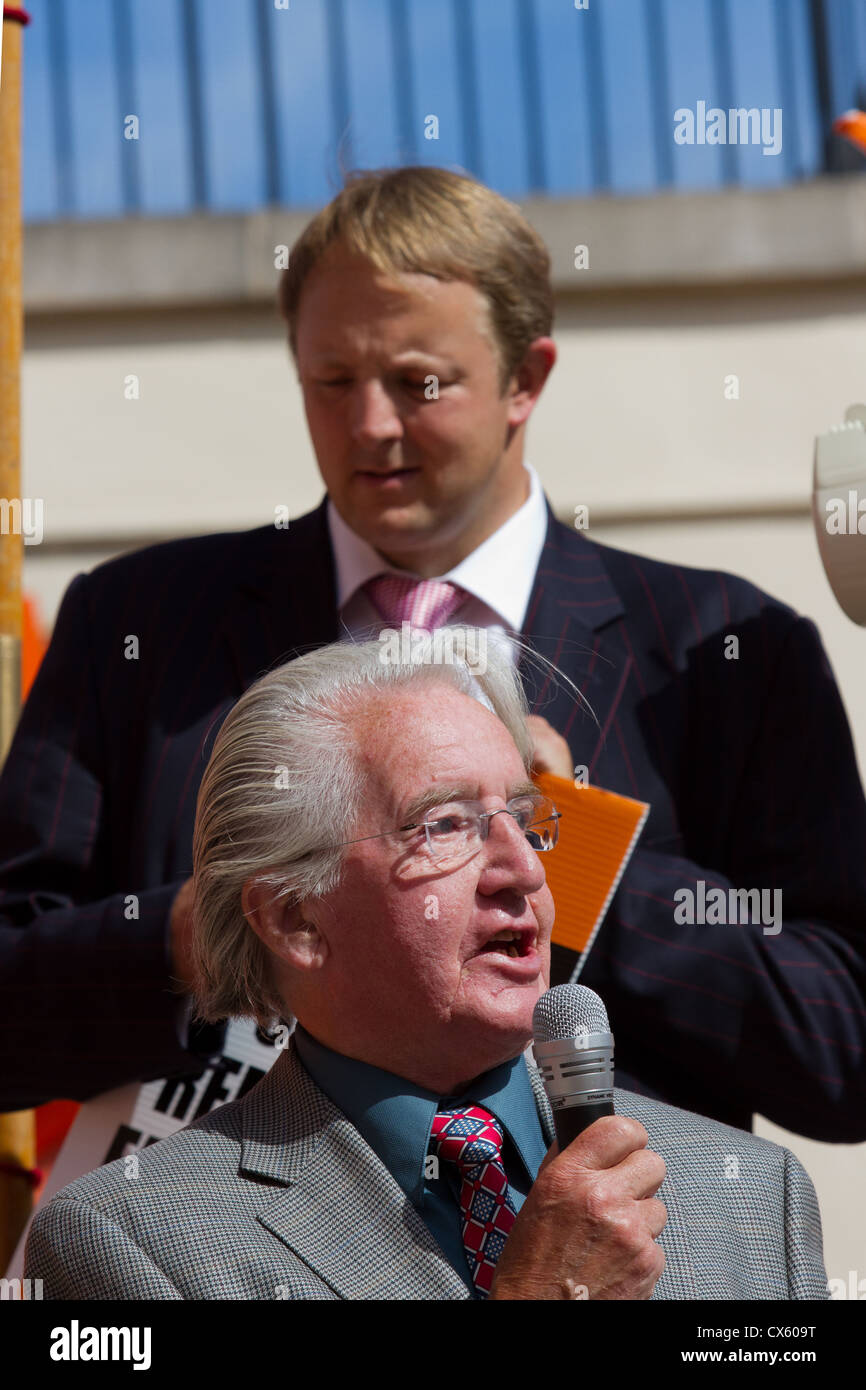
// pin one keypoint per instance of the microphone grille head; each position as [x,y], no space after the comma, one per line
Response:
[567,1010]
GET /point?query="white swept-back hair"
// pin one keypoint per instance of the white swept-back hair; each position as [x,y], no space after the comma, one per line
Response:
[283,787]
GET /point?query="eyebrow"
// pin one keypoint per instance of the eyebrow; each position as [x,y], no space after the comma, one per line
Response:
[405,359]
[441,795]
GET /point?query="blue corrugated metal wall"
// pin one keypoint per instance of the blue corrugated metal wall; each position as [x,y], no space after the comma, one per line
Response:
[245,103]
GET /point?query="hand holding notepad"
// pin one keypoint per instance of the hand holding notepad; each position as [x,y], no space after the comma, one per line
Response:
[597,833]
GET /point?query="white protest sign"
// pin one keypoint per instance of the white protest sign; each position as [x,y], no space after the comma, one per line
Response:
[119,1122]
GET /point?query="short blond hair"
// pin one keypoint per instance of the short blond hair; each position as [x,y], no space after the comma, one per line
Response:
[423,219]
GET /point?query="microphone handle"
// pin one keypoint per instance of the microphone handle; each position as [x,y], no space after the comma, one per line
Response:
[574,1119]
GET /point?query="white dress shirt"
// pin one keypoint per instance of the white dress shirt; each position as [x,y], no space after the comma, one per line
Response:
[498,575]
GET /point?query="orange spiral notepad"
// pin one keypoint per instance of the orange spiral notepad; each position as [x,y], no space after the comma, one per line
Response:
[597,833]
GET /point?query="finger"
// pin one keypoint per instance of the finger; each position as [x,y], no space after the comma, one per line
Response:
[655,1214]
[606,1142]
[641,1174]
[542,730]
[550,752]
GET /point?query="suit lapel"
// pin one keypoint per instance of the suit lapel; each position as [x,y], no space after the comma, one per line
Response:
[340,1211]
[542,1104]
[573,601]
[285,600]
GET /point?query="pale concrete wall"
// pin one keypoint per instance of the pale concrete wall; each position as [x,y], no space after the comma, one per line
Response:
[634,421]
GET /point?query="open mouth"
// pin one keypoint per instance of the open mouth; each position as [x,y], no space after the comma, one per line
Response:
[514,944]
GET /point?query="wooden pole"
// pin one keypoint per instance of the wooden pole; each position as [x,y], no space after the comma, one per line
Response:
[17,1131]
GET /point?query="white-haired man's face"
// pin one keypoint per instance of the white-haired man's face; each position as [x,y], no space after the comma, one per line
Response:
[395,967]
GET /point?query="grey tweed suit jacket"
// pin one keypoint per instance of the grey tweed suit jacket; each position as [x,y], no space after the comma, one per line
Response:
[277,1195]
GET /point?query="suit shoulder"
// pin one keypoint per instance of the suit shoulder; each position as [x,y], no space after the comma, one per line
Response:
[226,557]
[219,553]
[191,1159]
[639,575]
[683,1132]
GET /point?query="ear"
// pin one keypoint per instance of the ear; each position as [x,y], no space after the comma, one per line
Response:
[290,931]
[528,381]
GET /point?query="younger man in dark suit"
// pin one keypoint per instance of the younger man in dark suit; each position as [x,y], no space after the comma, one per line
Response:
[420,308]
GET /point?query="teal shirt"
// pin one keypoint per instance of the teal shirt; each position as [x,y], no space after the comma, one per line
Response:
[396,1117]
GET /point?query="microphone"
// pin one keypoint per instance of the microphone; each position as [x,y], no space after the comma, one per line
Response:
[573,1048]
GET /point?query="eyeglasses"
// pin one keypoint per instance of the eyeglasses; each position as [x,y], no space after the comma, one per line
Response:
[457,829]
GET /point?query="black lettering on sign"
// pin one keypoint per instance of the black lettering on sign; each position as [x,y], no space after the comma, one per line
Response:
[215,1091]
[168,1092]
[123,1139]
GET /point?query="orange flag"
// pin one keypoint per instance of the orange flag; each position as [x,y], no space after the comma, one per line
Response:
[852,124]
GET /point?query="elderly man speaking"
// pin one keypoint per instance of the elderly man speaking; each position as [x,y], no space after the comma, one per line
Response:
[368,859]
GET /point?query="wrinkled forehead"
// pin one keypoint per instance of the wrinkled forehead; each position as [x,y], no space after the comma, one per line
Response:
[409,739]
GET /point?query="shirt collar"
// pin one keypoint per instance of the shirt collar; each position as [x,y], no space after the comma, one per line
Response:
[489,572]
[396,1117]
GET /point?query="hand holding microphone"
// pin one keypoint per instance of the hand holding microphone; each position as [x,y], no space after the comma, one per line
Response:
[591,1219]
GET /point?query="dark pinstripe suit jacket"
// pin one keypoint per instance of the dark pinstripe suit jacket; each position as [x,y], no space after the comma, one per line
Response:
[747,763]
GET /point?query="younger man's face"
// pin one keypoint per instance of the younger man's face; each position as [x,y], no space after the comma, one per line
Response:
[402,470]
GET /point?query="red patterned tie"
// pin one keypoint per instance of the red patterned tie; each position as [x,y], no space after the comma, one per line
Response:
[472,1138]
[427,603]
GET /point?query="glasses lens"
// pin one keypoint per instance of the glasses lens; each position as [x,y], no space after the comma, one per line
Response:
[452,831]
[538,819]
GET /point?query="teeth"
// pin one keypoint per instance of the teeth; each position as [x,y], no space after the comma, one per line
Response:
[506,943]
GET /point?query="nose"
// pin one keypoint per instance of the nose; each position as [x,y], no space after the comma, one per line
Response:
[509,859]
[373,415]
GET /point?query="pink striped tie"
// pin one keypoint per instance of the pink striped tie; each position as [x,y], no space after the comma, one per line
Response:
[427,603]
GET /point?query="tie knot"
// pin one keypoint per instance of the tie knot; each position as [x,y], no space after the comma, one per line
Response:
[427,603]
[467,1136]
